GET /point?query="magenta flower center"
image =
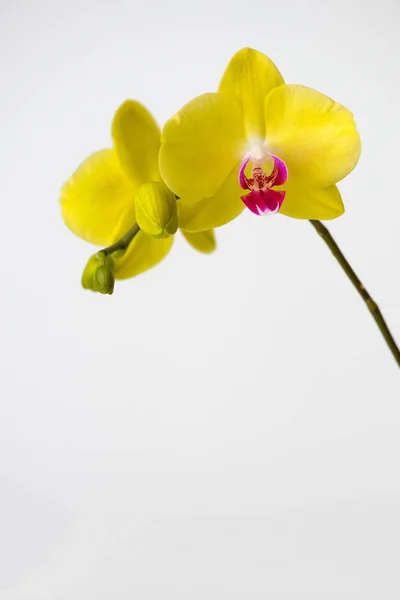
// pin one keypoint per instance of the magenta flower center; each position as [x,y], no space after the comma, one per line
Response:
[262,199]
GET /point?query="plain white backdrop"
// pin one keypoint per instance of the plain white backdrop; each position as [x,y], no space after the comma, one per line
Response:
[223,427]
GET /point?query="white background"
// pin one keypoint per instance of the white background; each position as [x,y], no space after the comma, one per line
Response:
[223,427]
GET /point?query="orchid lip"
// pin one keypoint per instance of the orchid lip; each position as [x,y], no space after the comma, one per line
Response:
[262,199]
[264,202]
[242,177]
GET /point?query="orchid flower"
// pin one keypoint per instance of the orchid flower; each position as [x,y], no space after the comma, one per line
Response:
[258,143]
[119,190]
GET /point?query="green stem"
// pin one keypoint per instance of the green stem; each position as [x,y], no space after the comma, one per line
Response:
[370,303]
[123,243]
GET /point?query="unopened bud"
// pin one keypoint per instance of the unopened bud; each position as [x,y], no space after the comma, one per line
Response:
[156,210]
[98,274]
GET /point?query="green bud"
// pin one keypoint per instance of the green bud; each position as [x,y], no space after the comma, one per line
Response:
[98,274]
[103,280]
[89,271]
[156,210]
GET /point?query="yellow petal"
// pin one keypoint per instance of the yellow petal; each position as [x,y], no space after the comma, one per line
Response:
[249,77]
[136,138]
[212,212]
[156,210]
[144,252]
[98,200]
[311,203]
[200,146]
[203,241]
[316,137]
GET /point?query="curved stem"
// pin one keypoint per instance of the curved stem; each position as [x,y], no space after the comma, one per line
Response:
[370,303]
[123,243]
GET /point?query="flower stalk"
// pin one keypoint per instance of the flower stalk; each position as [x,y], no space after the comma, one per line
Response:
[123,243]
[370,303]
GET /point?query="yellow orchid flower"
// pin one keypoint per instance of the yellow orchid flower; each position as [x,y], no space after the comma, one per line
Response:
[119,190]
[286,145]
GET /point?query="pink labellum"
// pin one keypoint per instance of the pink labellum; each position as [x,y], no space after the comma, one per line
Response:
[279,173]
[264,202]
[262,199]
[243,180]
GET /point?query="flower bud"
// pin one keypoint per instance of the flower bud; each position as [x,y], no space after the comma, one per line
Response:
[156,210]
[98,274]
